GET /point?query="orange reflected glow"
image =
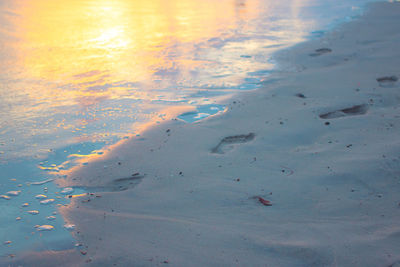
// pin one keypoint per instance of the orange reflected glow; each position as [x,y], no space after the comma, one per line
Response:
[69,57]
[93,42]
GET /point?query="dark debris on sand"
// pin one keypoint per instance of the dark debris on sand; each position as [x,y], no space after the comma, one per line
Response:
[321,51]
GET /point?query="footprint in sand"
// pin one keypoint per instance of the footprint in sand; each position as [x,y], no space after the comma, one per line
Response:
[387,81]
[117,185]
[321,51]
[122,184]
[352,111]
[227,143]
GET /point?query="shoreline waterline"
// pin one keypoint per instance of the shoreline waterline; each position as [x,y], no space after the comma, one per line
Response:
[108,189]
[314,144]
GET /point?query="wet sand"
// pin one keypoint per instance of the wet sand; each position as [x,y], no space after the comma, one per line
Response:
[303,172]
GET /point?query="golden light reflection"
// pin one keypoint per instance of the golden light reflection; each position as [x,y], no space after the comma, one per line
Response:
[77,54]
[130,39]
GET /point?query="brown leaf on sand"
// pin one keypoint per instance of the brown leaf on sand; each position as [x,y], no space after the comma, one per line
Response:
[264,201]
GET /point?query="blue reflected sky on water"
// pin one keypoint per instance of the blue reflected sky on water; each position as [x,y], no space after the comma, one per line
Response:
[77,76]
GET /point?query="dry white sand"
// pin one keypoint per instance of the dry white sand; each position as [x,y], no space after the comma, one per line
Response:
[327,159]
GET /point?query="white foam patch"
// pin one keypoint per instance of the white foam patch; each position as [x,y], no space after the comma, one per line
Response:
[33,212]
[47,201]
[41,182]
[67,190]
[69,226]
[45,227]
[13,193]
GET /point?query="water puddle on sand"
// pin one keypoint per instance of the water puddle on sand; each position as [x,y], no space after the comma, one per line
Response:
[79,75]
[201,112]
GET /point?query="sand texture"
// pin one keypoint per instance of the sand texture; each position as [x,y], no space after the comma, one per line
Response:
[303,172]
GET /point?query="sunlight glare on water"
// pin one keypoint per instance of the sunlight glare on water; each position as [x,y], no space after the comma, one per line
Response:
[89,70]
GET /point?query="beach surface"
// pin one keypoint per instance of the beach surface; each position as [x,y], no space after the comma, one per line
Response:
[302,172]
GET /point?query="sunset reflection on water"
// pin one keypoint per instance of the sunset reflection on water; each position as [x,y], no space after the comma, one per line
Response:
[85,70]
[89,43]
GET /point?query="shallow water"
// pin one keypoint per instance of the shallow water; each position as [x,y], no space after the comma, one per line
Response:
[77,76]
